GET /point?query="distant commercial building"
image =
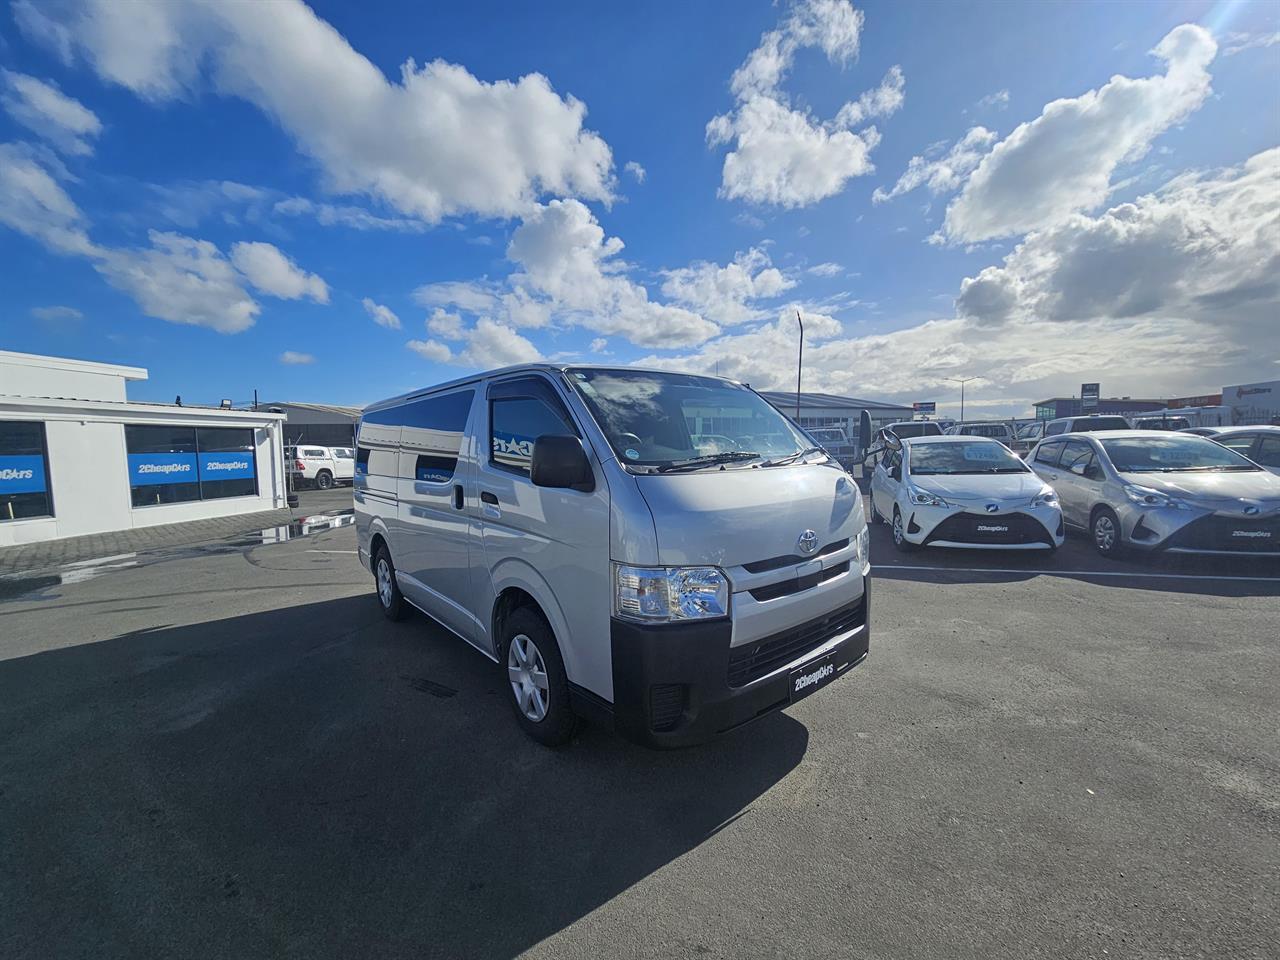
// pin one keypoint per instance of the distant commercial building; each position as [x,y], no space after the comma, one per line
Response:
[1253,403]
[324,424]
[829,410]
[78,457]
[1204,400]
[1056,407]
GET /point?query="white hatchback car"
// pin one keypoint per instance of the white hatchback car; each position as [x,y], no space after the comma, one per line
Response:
[957,491]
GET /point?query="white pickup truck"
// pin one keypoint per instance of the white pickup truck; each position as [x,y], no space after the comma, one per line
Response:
[321,466]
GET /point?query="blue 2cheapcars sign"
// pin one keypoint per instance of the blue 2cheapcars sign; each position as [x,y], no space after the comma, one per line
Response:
[226,466]
[146,469]
[22,474]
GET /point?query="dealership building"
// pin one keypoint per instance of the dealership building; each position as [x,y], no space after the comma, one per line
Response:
[78,457]
[812,410]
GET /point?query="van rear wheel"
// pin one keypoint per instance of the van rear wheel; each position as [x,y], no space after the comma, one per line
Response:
[536,678]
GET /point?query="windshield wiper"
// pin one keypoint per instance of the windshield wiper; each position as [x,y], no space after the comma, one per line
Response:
[792,457]
[708,460]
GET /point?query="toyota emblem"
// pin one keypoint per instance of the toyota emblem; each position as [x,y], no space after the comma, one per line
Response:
[992,507]
[808,542]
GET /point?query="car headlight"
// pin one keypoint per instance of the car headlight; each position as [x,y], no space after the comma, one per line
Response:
[1146,497]
[922,498]
[862,545]
[665,594]
[1048,497]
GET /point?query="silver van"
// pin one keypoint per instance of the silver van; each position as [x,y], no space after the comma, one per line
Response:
[567,523]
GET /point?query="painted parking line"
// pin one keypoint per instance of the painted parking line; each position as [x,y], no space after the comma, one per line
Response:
[331,551]
[1078,573]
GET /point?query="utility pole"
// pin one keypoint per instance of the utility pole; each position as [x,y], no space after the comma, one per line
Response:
[799,365]
[962,382]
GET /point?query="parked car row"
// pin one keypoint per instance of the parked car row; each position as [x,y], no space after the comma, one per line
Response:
[1128,490]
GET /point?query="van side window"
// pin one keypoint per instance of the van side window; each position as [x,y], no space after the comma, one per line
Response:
[362,460]
[515,423]
[432,427]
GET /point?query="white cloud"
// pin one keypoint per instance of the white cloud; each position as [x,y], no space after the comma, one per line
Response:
[181,280]
[945,173]
[432,350]
[726,294]
[780,154]
[885,100]
[294,358]
[1062,161]
[472,297]
[637,172]
[273,273]
[999,100]
[565,258]
[382,316]
[445,324]
[1174,292]
[825,269]
[56,313]
[434,143]
[1239,42]
[34,203]
[44,109]
[598,345]
[345,215]
[490,344]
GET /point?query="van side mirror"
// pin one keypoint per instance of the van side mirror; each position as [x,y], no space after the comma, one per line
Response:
[561,462]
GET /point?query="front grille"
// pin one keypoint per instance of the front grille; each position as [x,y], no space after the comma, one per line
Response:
[791,559]
[666,705]
[1234,534]
[784,588]
[1002,528]
[754,660]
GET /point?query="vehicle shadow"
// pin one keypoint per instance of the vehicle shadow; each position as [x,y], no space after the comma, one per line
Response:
[313,781]
[1076,560]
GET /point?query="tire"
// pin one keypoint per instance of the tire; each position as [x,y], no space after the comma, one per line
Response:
[1104,530]
[875,517]
[324,480]
[528,649]
[390,599]
[899,533]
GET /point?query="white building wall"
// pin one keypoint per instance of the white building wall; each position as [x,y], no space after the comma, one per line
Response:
[29,375]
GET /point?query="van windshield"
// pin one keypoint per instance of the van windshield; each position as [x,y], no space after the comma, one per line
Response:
[662,419]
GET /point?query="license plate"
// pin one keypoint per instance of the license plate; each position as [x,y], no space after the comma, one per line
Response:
[812,676]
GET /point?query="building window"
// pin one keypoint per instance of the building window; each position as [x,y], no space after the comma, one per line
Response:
[24,471]
[181,464]
[227,462]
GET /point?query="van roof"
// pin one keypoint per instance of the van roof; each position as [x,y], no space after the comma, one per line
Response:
[525,368]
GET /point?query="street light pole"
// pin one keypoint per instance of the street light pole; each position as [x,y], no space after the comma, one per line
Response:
[962,382]
[799,365]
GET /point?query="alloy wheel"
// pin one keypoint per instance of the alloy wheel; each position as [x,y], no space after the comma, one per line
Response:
[528,676]
[1104,533]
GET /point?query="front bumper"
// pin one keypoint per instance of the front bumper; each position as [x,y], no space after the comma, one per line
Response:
[1182,531]
[675,685]
[973,527]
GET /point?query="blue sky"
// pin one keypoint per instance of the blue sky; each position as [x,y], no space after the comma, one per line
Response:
[214,191]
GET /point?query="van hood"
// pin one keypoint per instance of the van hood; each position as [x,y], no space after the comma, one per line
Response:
[744,514]
[1214,490]
[981,486]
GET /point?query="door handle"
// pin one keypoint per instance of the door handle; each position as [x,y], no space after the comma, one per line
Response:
[457,496]
[487,497]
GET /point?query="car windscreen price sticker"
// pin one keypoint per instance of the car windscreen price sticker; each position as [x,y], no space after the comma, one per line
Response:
[981,453]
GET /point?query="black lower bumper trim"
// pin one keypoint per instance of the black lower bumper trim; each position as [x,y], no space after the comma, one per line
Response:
[695,658]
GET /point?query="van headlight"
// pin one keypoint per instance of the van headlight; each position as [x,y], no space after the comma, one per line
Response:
[862,545]
[665,594]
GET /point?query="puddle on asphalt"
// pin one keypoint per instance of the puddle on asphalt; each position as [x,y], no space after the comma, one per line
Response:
[23,586]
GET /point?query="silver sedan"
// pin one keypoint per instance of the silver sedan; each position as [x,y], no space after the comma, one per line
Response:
[1154,490]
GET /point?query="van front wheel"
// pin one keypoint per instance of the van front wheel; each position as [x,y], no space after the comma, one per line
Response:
[536,679]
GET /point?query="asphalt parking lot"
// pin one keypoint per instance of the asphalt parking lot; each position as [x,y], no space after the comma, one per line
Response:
[225,751]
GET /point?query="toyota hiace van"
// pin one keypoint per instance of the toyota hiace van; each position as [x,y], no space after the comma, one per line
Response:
[566,522]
